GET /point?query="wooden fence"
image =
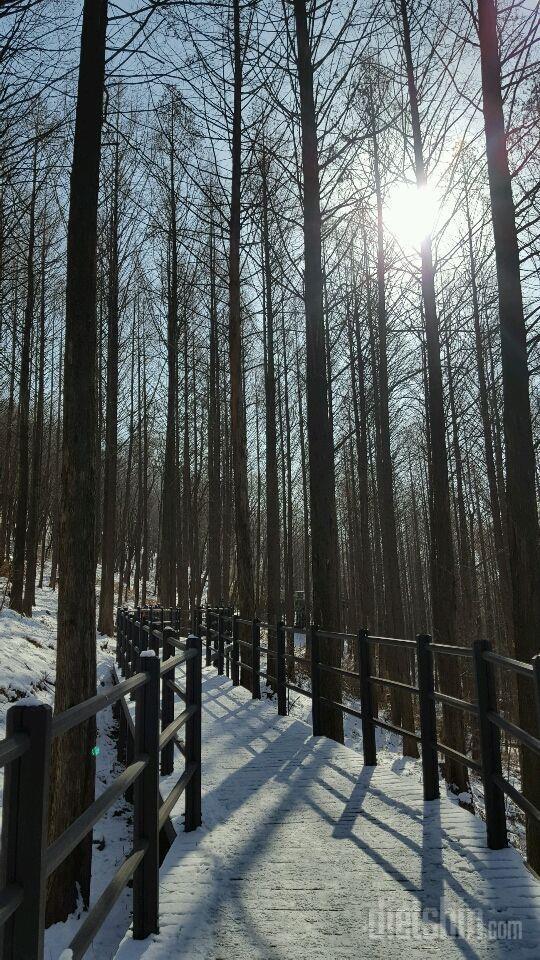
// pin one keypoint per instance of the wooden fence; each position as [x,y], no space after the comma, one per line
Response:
[220,627]
[27,859]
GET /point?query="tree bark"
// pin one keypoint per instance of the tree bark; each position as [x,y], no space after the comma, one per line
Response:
[73,766]
[167,579]
[273,570]
[394,621]
[34,512]
[324,539]
[108,542]
[215,578]
[21,516]
[244,559]
[443,579]
[522,513]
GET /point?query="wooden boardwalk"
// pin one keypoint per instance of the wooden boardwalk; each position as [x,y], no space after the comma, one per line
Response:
[306,853]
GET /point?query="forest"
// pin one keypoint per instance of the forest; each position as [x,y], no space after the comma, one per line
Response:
[269,328]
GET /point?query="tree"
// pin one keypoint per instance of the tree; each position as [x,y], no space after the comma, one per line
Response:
[21,519]
[108,542]
[73,766]
[522,511]
[443,580]
[322,502]
[244,559]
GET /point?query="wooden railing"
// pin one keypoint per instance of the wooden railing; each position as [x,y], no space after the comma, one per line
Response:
[220,627]
[28,860]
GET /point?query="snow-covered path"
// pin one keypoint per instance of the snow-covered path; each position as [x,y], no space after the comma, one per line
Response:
[305,853]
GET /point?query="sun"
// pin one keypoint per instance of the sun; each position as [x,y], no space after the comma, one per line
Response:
[410,213]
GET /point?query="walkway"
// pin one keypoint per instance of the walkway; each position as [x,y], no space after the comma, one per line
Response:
[305,853]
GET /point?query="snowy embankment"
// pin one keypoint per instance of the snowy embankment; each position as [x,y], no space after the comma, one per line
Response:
[27,668]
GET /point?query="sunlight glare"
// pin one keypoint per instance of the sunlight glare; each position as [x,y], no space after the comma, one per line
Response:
[410,213]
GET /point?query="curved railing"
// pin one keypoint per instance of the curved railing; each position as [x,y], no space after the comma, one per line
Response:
[27,860]
[220,628]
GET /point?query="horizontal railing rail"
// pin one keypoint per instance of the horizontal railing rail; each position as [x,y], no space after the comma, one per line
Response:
[245,655]
[27,859]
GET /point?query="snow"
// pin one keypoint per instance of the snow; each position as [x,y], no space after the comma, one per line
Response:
[27,673]
[389,752]
[304,852]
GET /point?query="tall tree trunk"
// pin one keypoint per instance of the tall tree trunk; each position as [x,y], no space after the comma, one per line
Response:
[289,557]
[55,520]
[305,498]
[185,565]
[108,542]
[522,514]
[227,502]
[273,569]
[140,491]
[237,400]
[499,530]
[21,516]
[394,621]
[34,512]
[73,766]
[7,478]
[443,579]
[244,560]
[215,577]
[124,534]
[145,529]
[324,539]
[167,580]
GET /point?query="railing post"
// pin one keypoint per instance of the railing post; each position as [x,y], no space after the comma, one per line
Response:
[124,642]
[120,639]
[153,642]
[167,702]
[220,643]
[144,636]
[208,641]
[366,700]
[130,746]
[24,830]
[227,620]
[138,639]
[118,636]
[315,681]
[146,808]
[428,718]
[235,669]
[281,670]
[127,646]
[490,748]
[193,734]
[536,678]
[133,641]
[255,659]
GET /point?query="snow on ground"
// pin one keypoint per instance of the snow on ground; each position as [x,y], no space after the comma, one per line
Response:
[27,668]
[390,753]
[304,852]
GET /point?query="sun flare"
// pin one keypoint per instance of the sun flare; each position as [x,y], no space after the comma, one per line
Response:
[410,213]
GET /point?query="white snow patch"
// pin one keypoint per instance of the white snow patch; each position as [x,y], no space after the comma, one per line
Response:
[27,676]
